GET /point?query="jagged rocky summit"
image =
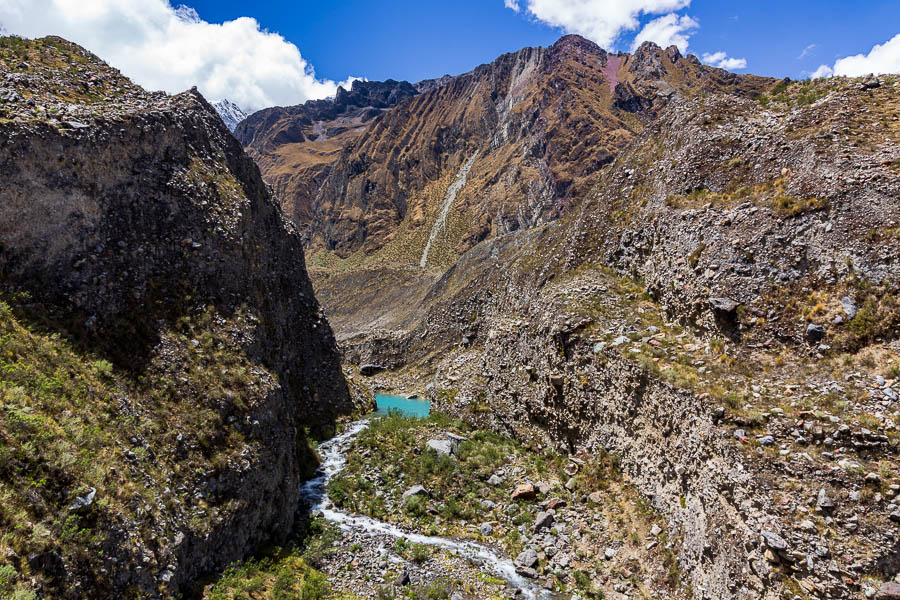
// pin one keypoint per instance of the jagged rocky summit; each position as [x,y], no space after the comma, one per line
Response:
[231,113]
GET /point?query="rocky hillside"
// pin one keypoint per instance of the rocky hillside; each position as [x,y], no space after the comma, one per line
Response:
[163,356]
[525,136]
[296,145]
[719,311]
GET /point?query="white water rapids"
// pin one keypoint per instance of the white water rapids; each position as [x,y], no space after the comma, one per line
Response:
[333,454]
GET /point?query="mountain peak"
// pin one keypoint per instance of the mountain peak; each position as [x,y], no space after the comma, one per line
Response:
[574,41]
[231,113]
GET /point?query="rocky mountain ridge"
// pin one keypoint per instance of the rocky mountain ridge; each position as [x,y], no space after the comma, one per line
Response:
[296,144]
[543,121]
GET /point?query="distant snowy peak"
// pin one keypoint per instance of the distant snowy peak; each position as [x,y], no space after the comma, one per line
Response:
[230,112]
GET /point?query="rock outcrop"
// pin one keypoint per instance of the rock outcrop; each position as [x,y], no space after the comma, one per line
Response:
[141,248]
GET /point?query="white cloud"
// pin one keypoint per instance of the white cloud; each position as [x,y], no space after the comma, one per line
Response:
[161,47]
[822,71]
[602,22]
[666,31]
[883,58]
[723,61]
[807,51]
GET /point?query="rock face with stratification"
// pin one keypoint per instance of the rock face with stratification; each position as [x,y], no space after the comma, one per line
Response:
[538,124]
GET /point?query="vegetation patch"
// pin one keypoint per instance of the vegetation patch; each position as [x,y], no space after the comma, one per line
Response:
[85,446]
[771,194]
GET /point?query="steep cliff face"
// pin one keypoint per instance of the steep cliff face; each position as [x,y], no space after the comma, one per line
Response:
[162,337]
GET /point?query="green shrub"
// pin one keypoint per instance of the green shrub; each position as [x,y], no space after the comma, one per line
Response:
[420,553]
[416,506]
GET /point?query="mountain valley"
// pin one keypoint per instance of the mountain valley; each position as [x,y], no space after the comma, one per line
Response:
[691,269]
[654,306]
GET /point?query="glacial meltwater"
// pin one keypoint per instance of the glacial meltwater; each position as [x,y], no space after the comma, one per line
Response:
[409,407]
[334,456]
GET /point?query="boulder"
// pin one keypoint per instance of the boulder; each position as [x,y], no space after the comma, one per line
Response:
[807,526]
[527,558]
[523,491]
[871,82]
[723,307]
[554,503]
[403,579]
[774,541]
[494,480]
[83,501]
[619,341]
[442,447]
[369,370]
[889,591]
[527,572]
[544,520]
[849,306]
[485,529]
[416,490]
[814,333]
[824,501]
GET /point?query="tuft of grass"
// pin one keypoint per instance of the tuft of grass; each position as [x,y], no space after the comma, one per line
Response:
[281,576]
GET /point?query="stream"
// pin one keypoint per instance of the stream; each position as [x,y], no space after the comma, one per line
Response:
[313,492]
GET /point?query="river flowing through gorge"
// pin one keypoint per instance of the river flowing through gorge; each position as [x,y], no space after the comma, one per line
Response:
[315,494]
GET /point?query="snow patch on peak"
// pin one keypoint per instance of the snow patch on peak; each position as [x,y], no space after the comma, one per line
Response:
[231,113]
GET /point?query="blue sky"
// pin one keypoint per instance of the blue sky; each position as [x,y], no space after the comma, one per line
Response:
[415,40]
[286,52]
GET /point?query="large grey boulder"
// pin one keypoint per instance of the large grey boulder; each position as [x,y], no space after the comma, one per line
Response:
[814,333]
[416,490]
[527,558]
[774,541]
[442,447]
[449,447]
[544,520]
[849,307]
